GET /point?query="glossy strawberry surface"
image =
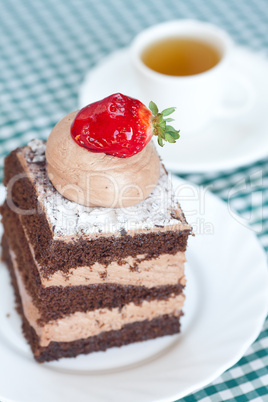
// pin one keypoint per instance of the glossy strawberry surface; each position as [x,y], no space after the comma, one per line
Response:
[117,125]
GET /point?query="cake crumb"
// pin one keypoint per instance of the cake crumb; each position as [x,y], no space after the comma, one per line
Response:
[103,275]
[134,267]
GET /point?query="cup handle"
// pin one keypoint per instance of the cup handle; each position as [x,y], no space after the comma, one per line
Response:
[238,98]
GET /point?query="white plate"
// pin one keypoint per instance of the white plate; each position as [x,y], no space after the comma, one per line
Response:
[225,143]
[226,304]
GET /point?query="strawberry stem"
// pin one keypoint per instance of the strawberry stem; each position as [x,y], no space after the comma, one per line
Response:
[161,129]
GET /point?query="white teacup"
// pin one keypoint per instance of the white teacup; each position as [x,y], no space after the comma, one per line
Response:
[199,97]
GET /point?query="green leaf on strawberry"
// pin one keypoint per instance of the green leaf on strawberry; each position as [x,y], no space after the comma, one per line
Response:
[167,112]
[160,128]
[153,108]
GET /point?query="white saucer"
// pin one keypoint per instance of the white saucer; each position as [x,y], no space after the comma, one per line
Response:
[224,144]
[226,305]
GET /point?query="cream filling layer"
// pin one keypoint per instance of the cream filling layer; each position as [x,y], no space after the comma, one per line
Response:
[167,269]
[84,325]
[164,270]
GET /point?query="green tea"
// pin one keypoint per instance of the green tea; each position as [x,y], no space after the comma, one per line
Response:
[179,56]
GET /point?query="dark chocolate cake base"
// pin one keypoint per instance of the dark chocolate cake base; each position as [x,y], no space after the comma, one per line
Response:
[135,332]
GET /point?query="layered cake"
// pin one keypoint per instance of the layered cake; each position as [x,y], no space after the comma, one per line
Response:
[94,241]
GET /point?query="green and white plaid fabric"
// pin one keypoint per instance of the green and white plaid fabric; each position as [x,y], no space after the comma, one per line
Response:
[46,47]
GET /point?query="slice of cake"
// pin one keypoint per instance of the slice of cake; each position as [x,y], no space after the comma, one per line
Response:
[90,277]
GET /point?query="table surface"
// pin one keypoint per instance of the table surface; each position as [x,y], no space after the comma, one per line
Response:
[47,47]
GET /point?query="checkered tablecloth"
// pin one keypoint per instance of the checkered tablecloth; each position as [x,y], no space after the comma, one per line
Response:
[47,46]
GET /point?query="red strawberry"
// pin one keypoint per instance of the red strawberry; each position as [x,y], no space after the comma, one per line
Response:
[120,126]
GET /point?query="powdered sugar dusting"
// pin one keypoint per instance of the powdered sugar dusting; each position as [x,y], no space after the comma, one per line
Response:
[68,218]
[38,149]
